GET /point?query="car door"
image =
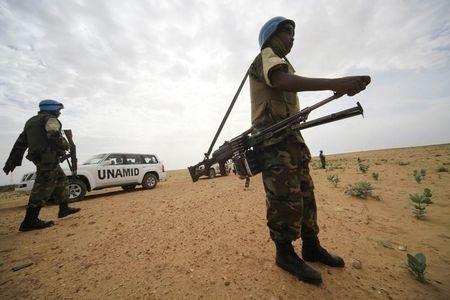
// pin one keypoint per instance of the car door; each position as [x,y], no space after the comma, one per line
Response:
[109,172]
[133,168]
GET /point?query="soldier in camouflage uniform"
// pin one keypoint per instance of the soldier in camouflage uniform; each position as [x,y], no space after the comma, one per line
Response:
[291,206]
[322,159]
[42,135]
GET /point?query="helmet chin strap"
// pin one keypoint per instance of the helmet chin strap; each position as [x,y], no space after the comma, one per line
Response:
[278,46]
[56,113]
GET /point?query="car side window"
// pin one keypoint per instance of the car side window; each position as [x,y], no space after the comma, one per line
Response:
[115,159]
[133,159]
[150,159]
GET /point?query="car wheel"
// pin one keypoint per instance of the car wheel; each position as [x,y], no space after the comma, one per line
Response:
[77,190]
[129,187]
[211,173]
[149,181]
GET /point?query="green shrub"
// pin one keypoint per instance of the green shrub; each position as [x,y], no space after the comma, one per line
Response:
[363,168]
[375,175]
[419,175]
[334,179]
[360,189]
[417,265]
[420,203]
[427,193]
[442,169]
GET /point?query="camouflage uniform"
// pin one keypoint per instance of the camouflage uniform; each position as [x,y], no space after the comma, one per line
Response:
[322,160]
[291,206]
[46,144]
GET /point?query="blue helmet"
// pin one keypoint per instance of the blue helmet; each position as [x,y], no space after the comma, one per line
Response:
[50,105]
[270,28]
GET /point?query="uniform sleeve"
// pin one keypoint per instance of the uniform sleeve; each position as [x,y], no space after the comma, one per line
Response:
[53,129]
[271,61]
[52,125]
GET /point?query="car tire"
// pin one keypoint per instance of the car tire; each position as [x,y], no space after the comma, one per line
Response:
[129,187]
[211,173]
[149,182]
[77,190]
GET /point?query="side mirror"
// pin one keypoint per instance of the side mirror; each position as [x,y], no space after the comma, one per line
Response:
[106,162]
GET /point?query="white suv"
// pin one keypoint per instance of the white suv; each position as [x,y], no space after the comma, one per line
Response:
[109,170]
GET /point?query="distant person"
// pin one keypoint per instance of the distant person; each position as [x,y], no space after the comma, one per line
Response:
[291,206]
[42,136]
[322,159]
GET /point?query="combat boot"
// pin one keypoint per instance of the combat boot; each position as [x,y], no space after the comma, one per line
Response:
[65,210]
[32,222]
[313,252]
[289,261]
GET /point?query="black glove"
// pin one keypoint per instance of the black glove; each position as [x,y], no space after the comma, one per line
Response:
[8,168]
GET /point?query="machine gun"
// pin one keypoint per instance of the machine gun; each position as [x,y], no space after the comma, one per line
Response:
[240,149]
[72,154]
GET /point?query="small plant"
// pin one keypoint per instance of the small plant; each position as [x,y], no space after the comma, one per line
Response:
[375,175]
[360,189]
[427,193]
[419,175]
[442,169]
[417,265]
[334,179]
[363,168]
[403,163]
[420,203]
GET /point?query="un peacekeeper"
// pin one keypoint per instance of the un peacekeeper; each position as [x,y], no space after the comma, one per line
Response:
[45,145]
[322,159]
[291,206]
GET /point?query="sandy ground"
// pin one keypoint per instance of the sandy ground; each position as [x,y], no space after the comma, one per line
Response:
[209,239]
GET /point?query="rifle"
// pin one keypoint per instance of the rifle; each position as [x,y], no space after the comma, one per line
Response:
[241,148]
[72,154]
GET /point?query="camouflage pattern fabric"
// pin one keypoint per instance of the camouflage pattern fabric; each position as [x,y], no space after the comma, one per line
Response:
[50,181]
[16,156]
[291,206]
[322,160]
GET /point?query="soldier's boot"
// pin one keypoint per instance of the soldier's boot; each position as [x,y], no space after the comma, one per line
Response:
[313,252]
[289,261]
[65,210]
[32,222]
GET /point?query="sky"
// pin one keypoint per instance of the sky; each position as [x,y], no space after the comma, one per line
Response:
[158,76]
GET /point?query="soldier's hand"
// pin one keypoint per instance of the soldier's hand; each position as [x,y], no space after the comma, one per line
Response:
[7,169]
[351,85]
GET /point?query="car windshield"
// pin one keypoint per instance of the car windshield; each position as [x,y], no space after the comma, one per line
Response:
[95,159]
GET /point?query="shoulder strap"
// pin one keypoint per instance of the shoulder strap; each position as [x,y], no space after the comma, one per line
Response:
[227,114]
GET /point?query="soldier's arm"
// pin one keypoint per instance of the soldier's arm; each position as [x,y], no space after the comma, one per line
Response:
[350,85]
[53,129]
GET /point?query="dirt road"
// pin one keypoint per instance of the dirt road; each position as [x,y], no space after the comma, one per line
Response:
[209,239]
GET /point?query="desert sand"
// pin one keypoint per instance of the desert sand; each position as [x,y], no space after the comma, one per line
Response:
[209,240]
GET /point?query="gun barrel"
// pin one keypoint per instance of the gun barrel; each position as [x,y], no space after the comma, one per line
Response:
[343,114]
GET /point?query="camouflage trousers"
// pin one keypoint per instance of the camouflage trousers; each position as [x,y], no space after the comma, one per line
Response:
[291,206]
[49,182]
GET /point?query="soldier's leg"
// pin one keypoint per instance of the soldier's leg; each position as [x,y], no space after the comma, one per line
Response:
[285,209]
[61,194]
[311,249]
[43,187]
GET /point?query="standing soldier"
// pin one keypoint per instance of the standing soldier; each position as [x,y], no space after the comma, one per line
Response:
[322,159]
[42,135]
[291,206]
